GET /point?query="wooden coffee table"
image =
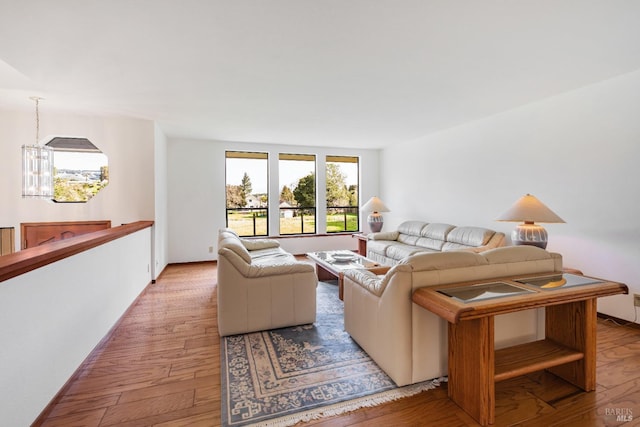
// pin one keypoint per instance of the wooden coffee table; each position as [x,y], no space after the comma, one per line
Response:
[330,265]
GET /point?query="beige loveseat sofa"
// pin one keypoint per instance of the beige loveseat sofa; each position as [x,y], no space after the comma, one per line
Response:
[412,237]
[409,342]
[260,286]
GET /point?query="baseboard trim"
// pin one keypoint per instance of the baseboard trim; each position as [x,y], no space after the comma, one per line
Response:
[618,321]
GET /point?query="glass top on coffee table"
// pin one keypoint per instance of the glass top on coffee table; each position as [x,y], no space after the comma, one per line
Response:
[331,264]
[341,260]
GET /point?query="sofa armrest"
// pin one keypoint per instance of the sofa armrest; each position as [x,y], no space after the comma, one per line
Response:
[279,269]
[383,269]
[384,235]
[367,279]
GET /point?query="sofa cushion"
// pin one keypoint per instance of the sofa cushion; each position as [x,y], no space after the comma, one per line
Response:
[433,236]
[273,257]
[256,244]
[378,247]
[411,227]
[408,239]
[437,231]
[399,250]
[431,244]
[461,237]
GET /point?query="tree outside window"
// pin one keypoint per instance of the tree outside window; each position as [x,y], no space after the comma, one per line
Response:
[342,194]
[298,193]
[247,199]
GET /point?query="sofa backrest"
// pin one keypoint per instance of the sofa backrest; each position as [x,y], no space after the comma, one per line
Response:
[437,268]
[409,231]
[447,237]
[464,237]
[434,236]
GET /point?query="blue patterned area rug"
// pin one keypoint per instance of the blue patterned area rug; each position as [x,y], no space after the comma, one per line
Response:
[284,376]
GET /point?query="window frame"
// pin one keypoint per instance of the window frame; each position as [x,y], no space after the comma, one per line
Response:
[299,157]
[267,216]
[254,212]
[356,208]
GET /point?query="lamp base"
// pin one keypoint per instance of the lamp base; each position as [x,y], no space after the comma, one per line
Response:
[530,234]
[375,222]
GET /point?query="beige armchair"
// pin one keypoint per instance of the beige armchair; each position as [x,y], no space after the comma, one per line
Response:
[260,286]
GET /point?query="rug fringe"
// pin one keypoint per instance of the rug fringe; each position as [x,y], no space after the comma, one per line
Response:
[351,405]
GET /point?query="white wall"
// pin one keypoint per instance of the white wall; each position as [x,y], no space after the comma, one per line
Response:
[161,224]
[51,318]
[196,190]
[129,144]
[577,152]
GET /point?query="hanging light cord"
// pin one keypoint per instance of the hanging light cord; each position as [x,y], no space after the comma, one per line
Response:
[37,121]
[37,100]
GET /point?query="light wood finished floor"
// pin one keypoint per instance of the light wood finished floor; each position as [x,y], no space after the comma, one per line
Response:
[161,367]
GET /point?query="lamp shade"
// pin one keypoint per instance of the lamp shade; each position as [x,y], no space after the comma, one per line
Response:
[37,172]
[374,205]
[37,166]
[529,209]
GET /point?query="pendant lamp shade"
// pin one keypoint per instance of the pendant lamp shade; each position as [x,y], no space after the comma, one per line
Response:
[37,172]
[37,166]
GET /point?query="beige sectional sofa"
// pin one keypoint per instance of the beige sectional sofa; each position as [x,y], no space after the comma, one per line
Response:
[410,343]
[260,286]
[412,237]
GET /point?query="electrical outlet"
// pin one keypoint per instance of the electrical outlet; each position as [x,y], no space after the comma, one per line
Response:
[636,300]
[210,249]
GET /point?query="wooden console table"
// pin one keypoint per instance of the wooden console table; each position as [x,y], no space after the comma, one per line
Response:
[568,350]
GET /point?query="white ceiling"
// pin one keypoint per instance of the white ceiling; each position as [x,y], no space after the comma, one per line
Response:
[349,73]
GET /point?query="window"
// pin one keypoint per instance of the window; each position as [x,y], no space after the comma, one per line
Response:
[297,193]
[247,193]
[81,170]
[342,194]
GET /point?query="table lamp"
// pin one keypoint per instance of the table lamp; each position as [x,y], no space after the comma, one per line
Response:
[375,206]
[529,210]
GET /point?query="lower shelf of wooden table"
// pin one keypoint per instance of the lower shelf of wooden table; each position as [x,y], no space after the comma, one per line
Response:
[531,357]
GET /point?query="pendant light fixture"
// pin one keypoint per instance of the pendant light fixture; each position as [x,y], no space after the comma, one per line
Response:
[37,166]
